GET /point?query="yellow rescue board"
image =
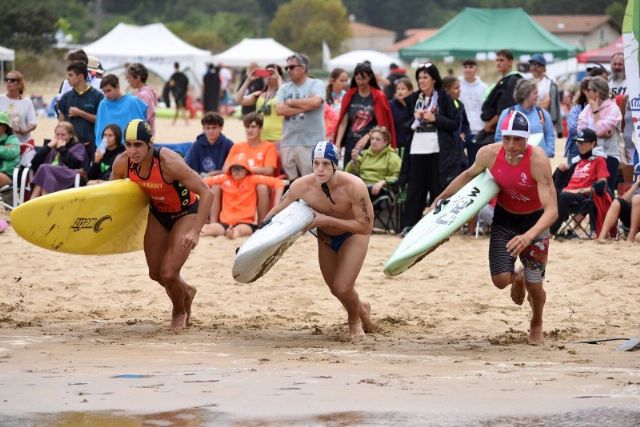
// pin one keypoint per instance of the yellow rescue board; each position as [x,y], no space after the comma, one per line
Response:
[108,218]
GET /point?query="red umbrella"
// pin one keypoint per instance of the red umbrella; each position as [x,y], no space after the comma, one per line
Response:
[601,55]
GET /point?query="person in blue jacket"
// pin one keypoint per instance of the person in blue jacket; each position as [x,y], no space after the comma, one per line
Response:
[525,94]
[211,148]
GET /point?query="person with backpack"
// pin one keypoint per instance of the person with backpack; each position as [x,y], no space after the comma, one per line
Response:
[525,95]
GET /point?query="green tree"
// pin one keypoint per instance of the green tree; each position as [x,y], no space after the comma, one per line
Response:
[302,25]
[616,11]
[28,25]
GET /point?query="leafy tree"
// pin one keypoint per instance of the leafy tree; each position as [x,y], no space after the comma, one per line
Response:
[303,24]
[616,11]
[27,25]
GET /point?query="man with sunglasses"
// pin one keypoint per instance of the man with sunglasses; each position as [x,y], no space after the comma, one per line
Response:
[301,102]
[526,207]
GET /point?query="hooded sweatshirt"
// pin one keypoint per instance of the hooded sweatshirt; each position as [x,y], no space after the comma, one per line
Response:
[239,197]
[204,157]
[9,153]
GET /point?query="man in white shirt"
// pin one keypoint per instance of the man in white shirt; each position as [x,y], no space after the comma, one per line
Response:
[618,86]
[472,91]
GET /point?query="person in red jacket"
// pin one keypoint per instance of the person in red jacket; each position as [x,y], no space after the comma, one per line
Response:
[364,107]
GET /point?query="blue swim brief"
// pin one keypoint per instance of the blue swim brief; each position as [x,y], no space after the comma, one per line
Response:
[334,242]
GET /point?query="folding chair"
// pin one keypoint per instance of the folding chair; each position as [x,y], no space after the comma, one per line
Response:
[387,209]
[22,175]
[583,221]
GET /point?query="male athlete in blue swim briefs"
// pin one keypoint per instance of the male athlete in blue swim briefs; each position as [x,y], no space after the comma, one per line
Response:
[343,216]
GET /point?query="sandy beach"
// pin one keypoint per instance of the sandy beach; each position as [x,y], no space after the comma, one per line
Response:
[84,339]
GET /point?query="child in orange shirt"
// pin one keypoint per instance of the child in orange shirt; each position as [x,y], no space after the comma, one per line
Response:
[237,216]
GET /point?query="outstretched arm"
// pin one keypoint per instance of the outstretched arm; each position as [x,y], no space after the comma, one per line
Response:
[484,160]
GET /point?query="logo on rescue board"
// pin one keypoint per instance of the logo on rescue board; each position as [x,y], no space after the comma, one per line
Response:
[458,206]
[94,224]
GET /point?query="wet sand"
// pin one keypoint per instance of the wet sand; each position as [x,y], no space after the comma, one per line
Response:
[84,340]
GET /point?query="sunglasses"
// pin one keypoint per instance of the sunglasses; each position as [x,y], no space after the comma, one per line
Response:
[425,65]
[292,67]
[8,80]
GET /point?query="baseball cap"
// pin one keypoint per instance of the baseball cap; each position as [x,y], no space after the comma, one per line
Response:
[325,150]
[515,124]
[586,135]
[138,130]
[538,58]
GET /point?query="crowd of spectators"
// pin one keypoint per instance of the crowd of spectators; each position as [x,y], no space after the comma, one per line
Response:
[412,135]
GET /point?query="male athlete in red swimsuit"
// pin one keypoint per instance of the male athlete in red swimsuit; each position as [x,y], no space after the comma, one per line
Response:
[176,215]
[527,206]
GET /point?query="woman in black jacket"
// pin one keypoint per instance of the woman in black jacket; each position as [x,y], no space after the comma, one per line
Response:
[434,158]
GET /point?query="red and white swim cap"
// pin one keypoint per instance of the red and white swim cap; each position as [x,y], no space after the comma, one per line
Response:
[515,124]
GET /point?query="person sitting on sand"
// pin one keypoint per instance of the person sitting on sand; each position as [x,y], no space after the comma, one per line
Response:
[343,216]
[180,203]
[526,208]
[238,215]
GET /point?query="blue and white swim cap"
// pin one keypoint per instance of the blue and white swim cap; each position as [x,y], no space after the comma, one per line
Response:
[325,150]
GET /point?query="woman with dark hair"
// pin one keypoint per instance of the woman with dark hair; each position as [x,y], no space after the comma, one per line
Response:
[265,101]
[101,171]
[434,158]
[364,106]
[59,161]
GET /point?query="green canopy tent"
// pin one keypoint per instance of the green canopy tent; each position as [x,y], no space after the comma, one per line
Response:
[475,31]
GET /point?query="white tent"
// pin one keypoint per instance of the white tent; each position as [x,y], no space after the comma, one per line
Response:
[8,55]
[260,51]
[379,61]
[154,46]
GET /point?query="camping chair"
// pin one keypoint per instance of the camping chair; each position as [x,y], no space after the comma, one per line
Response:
[22,175]
[585,219]
[387,208]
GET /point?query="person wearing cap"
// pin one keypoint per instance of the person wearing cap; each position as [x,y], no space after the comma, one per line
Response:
[179,205]
[9,150]
[548,92]
[235,211]
[343,217]
[589,171]
[526,207]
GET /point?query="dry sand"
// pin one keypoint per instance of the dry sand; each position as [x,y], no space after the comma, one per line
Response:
[450,348]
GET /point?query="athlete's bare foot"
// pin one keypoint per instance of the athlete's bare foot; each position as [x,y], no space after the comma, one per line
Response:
[518,289]
[188,299]
[355,330]
[536,335]
[365,317]
[178,322]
